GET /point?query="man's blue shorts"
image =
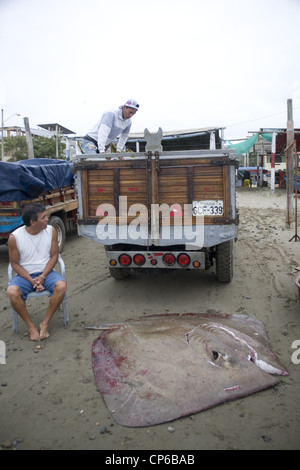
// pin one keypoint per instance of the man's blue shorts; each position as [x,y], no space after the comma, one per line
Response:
[26,286]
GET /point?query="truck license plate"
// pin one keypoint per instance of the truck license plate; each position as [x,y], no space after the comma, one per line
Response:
[208,207]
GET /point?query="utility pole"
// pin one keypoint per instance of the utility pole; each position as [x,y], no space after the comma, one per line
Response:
[28,138]
[2,136]
[290,136]
[273,161]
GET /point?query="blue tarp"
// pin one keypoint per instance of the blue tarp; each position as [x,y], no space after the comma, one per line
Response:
[27,179]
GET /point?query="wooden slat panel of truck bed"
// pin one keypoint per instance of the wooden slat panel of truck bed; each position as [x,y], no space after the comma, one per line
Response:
[154,181]
[61,199]
[192,180]
[108,180]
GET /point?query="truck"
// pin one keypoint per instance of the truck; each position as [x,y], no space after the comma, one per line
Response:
[50,182]
[160,209]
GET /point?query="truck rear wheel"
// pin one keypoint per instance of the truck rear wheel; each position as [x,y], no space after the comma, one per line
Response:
[224,259]
[119,273]
[57,223]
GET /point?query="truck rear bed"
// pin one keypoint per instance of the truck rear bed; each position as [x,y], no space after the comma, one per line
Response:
[183,181]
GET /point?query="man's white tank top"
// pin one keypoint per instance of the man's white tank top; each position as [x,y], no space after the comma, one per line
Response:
[34,249]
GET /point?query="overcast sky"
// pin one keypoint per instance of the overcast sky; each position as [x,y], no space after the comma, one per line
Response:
[189,63]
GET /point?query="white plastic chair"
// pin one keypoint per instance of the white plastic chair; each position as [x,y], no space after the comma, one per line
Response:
[63,305]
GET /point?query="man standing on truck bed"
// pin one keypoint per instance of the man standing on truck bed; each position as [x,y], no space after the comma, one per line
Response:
[113,124]
[33,254]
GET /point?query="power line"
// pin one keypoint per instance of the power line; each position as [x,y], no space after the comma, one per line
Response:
[259,119]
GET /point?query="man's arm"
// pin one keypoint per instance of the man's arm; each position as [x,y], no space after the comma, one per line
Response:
[123,138]
[105,127]
[14,257]
[54,252]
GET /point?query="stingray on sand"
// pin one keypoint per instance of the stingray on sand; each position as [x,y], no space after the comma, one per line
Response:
[158,368]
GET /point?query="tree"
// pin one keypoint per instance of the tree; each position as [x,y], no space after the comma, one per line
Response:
[42,146]
[16,147]
[46,148]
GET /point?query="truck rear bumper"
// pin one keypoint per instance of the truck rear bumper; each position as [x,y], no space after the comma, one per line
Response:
[207,236]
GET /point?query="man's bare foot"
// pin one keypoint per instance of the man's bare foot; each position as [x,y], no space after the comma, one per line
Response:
[34,334]
[44,334]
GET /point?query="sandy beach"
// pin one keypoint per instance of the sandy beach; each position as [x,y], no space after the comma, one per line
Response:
[48,396]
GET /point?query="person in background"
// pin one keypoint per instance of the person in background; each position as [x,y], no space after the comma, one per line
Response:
[281,178]
[112,125]
[33,254]
[247,176]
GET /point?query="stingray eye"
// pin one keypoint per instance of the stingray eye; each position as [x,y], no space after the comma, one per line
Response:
[215,355]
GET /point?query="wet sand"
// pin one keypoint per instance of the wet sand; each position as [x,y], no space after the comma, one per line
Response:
[48,396]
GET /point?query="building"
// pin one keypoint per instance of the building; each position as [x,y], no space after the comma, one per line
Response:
[261,152]
[57,131]
[44,130]
[14,131]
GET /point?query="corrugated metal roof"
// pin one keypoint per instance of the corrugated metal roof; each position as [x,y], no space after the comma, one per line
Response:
[184,139]
[52,128]
[281,138]
[180,133]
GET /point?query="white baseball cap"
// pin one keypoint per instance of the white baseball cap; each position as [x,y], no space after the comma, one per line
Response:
[132,104]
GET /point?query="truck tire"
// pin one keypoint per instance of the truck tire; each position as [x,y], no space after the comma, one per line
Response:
[224,260]
[57,223]
[119,273]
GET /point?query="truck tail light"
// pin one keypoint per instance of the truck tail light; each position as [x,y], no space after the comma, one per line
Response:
[125,260]
[169,259]
[139,259]
[183,259]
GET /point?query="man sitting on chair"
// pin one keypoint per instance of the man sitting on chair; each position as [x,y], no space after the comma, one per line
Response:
[33,254]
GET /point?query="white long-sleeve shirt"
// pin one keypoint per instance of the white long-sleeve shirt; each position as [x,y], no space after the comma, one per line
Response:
[109,127]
